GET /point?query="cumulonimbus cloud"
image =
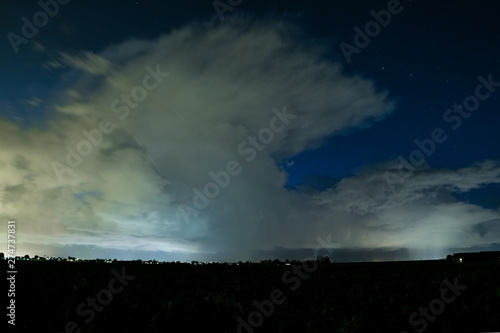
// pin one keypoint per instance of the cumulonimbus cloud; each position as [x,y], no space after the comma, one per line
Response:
[222,86]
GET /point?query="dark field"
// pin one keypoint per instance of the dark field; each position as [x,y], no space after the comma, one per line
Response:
[355,297]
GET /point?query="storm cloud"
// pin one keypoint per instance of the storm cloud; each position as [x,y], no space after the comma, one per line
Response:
[162,135]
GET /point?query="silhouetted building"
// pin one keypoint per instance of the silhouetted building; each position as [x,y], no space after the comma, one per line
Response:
[476,256]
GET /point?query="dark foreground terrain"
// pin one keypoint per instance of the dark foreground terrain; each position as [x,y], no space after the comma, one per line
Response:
[436,296]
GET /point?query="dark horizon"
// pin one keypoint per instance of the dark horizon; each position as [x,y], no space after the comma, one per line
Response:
[348,256]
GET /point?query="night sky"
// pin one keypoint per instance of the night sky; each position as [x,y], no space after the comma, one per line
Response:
[247,130]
